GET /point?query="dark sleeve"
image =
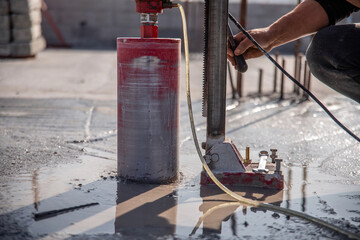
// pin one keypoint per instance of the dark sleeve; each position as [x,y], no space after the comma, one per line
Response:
[337,9]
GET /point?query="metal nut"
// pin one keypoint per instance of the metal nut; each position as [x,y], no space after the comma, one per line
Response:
[207,159]
[215,157]
[263,153]
[273,155]
[278,166]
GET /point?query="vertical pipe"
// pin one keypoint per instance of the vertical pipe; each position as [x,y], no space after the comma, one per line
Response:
[296,53]
[52,23]
[289,183]
[216,70]
[296,71]
[308,82]
[282,81]
[303,189]
[260,81]
[305,78]
[243,13]
[299,72]
[233,90]
[275,72]
[239,83]
[247,159]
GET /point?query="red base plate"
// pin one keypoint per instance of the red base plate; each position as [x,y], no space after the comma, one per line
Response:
[248,178]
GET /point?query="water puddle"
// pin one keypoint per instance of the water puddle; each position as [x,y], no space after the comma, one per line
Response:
[181,209]
[315,174]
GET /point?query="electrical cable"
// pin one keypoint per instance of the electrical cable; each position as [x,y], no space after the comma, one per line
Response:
[292,79]
[212,176]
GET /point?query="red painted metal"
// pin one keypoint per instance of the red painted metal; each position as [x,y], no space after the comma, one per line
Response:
[148,108]
[149,6]
[49,18]
[269,180]
[149,31]
[248,179]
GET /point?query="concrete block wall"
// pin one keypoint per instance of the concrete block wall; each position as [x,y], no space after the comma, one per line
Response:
[92,23]
[96,24]
[4,26]
[4,7]
[27,20]
[20,28]
[24,6]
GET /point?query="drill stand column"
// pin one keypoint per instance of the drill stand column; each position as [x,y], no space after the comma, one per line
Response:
[222,156]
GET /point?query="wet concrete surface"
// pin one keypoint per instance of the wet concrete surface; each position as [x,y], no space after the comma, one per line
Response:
[61,152]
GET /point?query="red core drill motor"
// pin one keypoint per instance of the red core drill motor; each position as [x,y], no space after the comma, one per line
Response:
[148,100]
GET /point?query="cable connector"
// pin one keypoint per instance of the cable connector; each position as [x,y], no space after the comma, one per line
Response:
[168,4]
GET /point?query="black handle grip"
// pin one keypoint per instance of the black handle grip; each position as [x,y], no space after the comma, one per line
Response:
[239,60]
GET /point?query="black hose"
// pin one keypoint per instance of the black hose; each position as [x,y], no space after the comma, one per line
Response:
[292,79]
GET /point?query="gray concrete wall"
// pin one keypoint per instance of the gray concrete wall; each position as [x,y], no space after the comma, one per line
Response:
[96,24]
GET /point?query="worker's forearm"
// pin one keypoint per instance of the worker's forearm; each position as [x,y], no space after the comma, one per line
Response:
[308,17]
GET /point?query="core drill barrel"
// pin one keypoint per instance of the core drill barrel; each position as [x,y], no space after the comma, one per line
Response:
[148,109]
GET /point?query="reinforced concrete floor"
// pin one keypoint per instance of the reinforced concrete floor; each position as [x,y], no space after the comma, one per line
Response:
[58,150]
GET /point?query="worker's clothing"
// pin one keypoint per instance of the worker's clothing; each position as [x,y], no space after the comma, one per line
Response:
[334,58]
[334,53]
[337,9]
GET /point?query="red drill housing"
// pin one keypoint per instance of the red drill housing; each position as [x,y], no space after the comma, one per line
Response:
[149,6]
[149,10]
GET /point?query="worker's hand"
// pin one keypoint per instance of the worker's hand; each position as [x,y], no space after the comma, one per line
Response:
[246,48]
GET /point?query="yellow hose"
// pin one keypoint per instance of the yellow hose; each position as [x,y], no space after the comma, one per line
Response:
[216,181]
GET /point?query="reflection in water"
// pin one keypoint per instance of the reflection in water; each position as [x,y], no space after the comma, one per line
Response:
[218,207]
[233,224]
[288,197]
[289,184]
[244,210]
[35,188]
[213,221]
[142,209]
[303,187]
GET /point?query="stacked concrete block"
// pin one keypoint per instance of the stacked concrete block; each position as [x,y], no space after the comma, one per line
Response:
[23,22]
[24,6]
[4,28]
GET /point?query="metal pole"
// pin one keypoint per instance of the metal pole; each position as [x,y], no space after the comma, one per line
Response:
[308,82]
[275,72]
[233,90]
[247,159]
[243,12]
[282,81]
[296,53]
[305,78]
[296,71]
[216,71]
[260,81]
[299,72]
[53,25]
[239,83]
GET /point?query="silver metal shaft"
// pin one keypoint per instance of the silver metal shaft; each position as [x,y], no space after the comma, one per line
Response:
[216,70]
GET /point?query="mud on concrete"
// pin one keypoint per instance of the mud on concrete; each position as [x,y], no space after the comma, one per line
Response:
[37,133]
